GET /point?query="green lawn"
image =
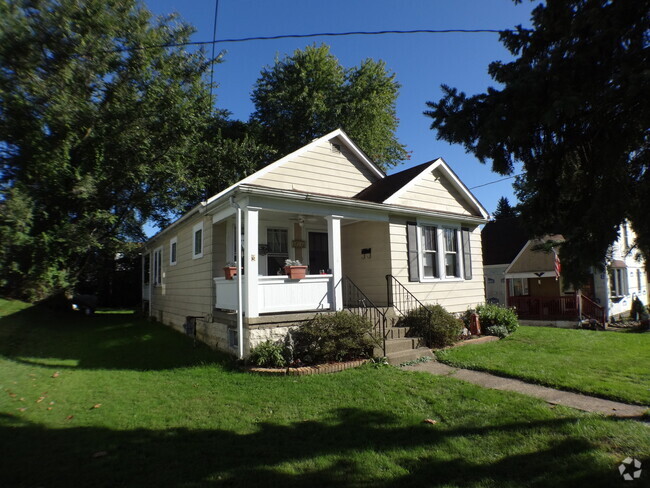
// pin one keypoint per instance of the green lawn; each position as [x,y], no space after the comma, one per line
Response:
[111,400]
[612,365]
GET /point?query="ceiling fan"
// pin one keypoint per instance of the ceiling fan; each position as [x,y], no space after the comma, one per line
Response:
[301,219]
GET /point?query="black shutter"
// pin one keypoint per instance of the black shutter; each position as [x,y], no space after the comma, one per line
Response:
[467,253]
[412,246]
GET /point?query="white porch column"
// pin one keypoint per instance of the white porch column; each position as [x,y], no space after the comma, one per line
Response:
[334,249]
[251,218]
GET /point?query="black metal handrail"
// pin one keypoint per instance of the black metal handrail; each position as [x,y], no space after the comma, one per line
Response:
[400,298]
[356,301]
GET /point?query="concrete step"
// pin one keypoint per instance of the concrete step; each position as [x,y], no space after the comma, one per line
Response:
[396,332]
[403,344]
[410,355]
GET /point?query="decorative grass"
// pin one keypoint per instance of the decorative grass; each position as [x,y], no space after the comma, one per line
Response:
[112,400]
[611,365]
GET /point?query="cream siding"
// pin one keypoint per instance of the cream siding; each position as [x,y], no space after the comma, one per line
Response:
[531,261]
[435,192]
[186,287]
[323,170]
[455,296]
[368,273]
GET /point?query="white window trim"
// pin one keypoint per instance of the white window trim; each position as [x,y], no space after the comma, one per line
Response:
[157,266]
[620,285]
[440,253]
[195,229]
[173,241]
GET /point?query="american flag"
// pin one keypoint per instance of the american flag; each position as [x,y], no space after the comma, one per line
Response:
[558,265]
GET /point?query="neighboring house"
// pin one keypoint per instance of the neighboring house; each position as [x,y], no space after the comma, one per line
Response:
[365,237]
[528,279]
[502,239]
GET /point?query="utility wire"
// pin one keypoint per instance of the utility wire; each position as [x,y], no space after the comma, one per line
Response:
[301,36]
[496,181]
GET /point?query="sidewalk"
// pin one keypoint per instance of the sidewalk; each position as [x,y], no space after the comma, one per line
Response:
[551,395]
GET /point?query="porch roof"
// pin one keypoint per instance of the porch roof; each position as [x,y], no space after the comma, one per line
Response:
[327,204]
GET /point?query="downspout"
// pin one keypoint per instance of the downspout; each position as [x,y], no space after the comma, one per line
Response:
[240,311]
[150,283]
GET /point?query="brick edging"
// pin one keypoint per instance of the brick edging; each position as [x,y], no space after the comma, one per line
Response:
[308,370]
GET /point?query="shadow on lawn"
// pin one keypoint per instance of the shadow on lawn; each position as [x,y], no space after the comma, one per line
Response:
[43,337]
[328,454]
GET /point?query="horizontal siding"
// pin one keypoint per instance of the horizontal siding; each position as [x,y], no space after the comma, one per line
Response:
[455,296]
[531,261]
[437,195]
[321,170]
[186,288]
[368,274]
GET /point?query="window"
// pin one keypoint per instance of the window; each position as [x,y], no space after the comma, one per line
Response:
[618,282]
[233,338]
[430,251]
[639,279]
[157,266]
[146,269]
[173,245]
[518,287]
[197,232]
[436,252]
[451,253]
[278,245]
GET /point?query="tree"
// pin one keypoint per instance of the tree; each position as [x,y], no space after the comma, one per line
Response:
[573,108]
[504,210]
[99,130]
[309,94]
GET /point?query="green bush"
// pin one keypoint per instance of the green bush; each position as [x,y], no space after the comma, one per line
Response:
[490,315]
[341,336]
[638,310]
[500,331]
[437,327]
[268,354]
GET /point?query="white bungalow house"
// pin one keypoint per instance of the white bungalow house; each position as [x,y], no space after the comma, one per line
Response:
[519,275]
[367,240]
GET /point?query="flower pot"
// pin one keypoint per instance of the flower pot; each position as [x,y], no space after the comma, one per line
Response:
[295,272]
[230,272]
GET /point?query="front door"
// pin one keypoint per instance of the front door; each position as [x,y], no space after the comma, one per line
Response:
[318,253]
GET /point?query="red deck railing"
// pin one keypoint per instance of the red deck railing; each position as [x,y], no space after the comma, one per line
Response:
[591,310]
[545,308]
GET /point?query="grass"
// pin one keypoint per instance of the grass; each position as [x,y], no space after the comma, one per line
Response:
[111,400]
[606,364]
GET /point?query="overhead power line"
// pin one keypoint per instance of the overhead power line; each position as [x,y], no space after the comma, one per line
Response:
[302,36]
[496,181]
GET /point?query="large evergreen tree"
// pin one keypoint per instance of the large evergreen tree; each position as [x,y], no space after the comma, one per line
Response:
[306,95]
[99,129]
[573,107]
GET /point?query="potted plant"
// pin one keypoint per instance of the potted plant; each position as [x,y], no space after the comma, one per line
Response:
[294,269]
[230,270]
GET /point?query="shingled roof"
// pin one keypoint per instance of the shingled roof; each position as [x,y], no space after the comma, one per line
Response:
[382,189]
[502,240]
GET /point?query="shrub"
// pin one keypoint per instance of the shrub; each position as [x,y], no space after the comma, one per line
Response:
[436,326]
[500,331]
[268,354]
[638,310]
[340,336]
[490,315]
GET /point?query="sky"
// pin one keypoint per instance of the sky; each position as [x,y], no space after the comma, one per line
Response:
[421,62]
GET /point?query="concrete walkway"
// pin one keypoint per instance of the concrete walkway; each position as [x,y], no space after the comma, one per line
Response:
[551,395]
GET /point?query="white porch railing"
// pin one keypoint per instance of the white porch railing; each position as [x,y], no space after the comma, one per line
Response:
[279,293]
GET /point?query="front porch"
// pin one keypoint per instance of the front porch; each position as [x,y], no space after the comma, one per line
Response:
[277,294]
